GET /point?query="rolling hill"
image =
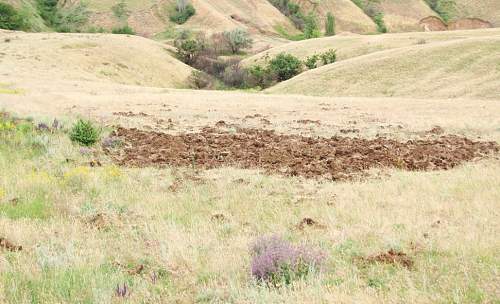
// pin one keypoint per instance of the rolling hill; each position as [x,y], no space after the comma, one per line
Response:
[90,57]
[349,46]
[451,69]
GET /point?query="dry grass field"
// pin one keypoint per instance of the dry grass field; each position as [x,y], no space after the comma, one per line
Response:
[155,218]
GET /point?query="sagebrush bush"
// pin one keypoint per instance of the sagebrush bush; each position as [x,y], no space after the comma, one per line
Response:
[277,262]
[84,133]
[237,39]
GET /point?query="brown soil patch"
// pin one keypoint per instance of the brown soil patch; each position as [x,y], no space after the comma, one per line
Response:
[309,222]
[433,23]
[7,245]
[292,155]
[469,24]
[391,257]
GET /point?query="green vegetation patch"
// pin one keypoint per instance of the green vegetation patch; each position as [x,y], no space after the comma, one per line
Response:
[73,285]
[10,18]
[37,208]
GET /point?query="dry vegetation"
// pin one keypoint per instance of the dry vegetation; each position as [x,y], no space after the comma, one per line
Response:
[377,176]
[460,68]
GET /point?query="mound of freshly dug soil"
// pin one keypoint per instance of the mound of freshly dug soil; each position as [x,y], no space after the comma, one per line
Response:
[293,155]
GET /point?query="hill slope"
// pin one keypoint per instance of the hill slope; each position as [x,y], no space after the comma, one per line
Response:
[94,57]
[488,10]
[349,46]
[461,68]
[348,17]
[402,16]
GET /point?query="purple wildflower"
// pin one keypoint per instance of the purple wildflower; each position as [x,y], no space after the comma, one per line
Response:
[42,127]
[122,290]
[276,260]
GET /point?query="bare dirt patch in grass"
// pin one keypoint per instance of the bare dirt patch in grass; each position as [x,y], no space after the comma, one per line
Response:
[392,257]
[293,155]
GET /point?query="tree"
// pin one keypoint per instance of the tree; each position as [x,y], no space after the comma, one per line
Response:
[330,25]
[237,39]
[285,66]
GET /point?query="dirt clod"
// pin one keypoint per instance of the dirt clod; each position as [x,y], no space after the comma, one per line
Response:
[309,222]
[391,257]
[9,246]
[293,155]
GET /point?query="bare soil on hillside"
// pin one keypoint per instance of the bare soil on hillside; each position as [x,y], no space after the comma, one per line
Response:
[334,158]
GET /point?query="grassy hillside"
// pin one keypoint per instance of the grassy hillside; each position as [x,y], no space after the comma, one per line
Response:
[460,68]
[348,17]
[102,57]
[488,10]
[349,46]
[403,16]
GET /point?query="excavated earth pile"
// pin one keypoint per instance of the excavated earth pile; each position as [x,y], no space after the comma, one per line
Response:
[292,155]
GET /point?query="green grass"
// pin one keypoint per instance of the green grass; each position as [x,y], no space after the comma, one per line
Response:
[60,285]
[37,208]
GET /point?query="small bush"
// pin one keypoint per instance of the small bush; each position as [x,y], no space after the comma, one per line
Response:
[180,14]
[188,50]
[237,39]
[84,133]
[379,21]
[10,18]
[258,76]
[329,57]
[70,19]
[311,29]
[125,30]
[285,66]
[278,262]
[234,76]
[120,10]
[330,25]
[311,62]
[200,80]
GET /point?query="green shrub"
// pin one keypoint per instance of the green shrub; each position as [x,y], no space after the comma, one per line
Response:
[444,8]
[379,21]
[10,19]
[188,49]
[237,39]
[329,57]
[124,30]
[311,29]
[120,10]
[180,14]
[285,66]
[69,19]
[329,25]
[311,62]
[84,133]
